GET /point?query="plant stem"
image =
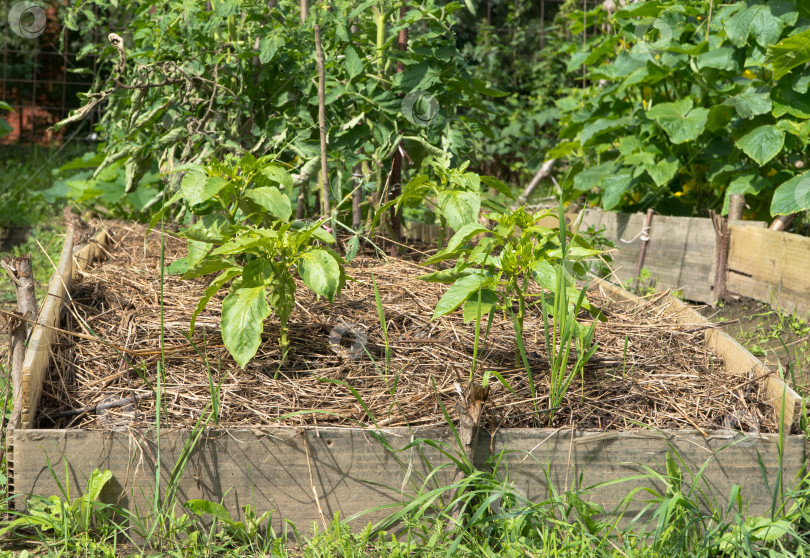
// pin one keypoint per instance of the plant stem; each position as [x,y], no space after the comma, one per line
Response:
[284,343]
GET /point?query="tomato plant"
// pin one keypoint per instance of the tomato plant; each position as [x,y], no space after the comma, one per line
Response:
[687,102]
[199,82]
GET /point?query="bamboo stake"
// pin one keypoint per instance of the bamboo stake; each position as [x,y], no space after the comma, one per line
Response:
[642,253]
[322,121]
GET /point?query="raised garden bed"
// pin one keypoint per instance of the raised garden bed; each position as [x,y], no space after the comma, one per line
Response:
[297,437]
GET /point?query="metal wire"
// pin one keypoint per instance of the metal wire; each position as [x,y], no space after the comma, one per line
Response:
[37,82]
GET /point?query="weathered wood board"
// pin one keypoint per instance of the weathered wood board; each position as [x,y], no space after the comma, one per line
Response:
[38,353]
[352,471]
[680,254]
[770,266]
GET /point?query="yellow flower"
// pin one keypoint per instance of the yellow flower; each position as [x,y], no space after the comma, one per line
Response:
[771,172]
[689,185]
[748,74]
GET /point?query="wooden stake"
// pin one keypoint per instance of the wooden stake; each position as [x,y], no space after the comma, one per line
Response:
[322,121]
[544,171]
[21,273]
[721,251]
[396,166]
[301,207]
[542,23]
[470,408]
[642,253]
[357,199]
[782,222]
[736,204]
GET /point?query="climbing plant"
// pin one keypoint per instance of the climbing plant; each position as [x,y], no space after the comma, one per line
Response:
[686,102]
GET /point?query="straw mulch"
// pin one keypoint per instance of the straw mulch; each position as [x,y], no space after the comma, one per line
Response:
[648,370]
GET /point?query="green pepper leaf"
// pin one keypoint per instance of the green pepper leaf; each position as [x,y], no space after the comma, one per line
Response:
[320,272]
[243,315]
[458,293]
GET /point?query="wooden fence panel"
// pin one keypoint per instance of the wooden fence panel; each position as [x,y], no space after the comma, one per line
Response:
[680,254]
[770,266]
[297,472]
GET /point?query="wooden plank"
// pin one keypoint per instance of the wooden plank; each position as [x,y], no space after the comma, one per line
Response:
[352,471]
[680,254]
[784,401]
[37,356]
[794,287]
[770,266]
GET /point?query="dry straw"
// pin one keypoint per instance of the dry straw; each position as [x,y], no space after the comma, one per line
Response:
[648,370]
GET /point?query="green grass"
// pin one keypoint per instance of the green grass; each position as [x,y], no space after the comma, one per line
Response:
[497,521]
[25,171]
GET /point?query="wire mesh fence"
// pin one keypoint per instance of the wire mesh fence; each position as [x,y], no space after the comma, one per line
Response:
[43,71]
[45,65]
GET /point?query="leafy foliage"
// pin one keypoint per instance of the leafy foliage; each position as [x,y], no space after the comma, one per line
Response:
[66,518]
[247,237]
[493,272]
[456,197]
[240,77]
[683,107]
[241,532]
[513,47]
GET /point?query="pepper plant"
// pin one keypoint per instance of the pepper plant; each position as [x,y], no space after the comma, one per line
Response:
[495,271]
[453,194]
[687,102]
[246,237]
